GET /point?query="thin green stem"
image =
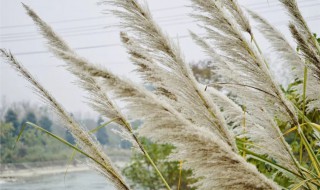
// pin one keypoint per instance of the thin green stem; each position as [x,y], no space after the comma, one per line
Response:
[245,130]
[180,174]
[151,161]
[277,166]
[146,153]
[311,154]
[303,107]
[305,78]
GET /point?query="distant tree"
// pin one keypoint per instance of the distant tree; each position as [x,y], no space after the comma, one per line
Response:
[45,123]
[203,71]
[30,117]
[102,134]
[11,117]
[70,138]
[7,140]
[6,135]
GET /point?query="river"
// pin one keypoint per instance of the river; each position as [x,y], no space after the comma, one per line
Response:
[84,180]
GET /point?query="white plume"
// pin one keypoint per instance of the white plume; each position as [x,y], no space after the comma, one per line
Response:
[160,62]
[287,54]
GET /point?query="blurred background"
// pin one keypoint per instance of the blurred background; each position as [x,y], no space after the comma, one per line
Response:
[95,35]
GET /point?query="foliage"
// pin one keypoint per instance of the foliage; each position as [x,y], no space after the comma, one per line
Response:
[46,123]
[70,138]
[102,135]
[138,168]
[11,117]
[30,116]
[33,147]
[291,137]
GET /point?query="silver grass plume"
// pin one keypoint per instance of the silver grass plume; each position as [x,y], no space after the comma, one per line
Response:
[241,61]
[99,100]
[258,130]
[154,109]
[163,123]
[86,142]
[159,58]
[157,114]
[213,162]
[235,59]
[237,13]
[289,55]
[263,132]
[303,36]
[309,53]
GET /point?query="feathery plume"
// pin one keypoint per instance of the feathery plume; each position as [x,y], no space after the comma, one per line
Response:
[87,74]
[241,61]
[286,53]
[213,162]
[100,100]
[258,130]
[159,58]
[159,118]
[84,140]
[237,59]
[165,113]
[236,12]
[303,35]
[160,121]
[308,52]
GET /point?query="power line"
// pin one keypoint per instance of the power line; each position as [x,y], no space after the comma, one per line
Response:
[21,36]
[257,5]
[99,30]
[114,45]
[272,4]
[86,47]
[302,6]
[83,19]
[91,27]
[312,18]
[88,33]
[96,28]
[77,48]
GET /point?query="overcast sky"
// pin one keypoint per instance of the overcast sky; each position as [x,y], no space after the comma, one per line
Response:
[83,25]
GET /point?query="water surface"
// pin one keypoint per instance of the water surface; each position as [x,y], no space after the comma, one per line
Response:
[84,180]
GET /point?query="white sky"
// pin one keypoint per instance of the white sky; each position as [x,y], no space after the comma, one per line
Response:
[82,24]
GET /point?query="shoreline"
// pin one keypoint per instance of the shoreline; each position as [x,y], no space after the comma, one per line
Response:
[13,175]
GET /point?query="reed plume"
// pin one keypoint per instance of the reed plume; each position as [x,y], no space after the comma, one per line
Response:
[155,113]
[260,128]
[287,54]
[303,36]
[154,53]
[237,59]
[87,74]
[163,123]
[83,139]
